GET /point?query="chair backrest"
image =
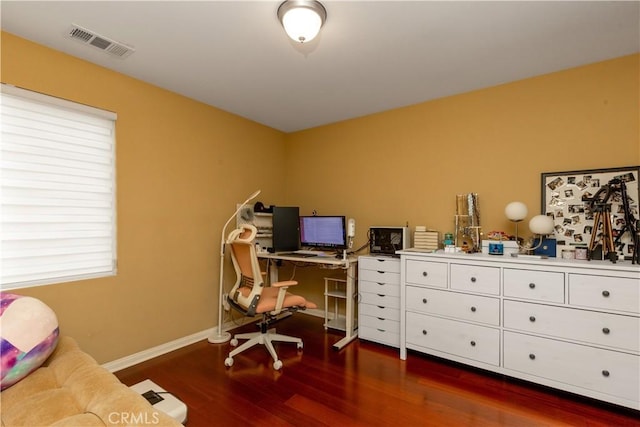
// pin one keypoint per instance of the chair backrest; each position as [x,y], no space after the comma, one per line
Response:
[249,281]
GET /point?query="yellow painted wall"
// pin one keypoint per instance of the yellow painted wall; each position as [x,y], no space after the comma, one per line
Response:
[178,180]
[408,164]
[176,185]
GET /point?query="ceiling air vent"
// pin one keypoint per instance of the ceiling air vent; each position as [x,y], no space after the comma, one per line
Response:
[94,39]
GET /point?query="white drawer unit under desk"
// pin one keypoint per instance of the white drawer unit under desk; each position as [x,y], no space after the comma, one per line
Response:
[568,324]
[379,299]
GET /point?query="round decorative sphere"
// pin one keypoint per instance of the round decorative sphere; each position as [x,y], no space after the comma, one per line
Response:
[541,224]
[516,211]
[28,335]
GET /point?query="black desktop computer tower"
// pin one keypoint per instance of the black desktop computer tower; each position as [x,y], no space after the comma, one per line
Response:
[286,229]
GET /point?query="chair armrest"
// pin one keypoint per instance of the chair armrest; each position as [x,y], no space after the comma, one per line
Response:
[284,284]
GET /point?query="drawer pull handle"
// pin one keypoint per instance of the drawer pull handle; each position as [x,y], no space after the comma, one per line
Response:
[424,274]
[532,318]
[473,280]
[606,331]
[532,356]
[381,330]
[473,343]
[381,272]
[605,293]
[381,295]
[473,309]
[424,332]
[381,306]
[380,318]
[380,283]
[424,300]
[532,285]
[605,373]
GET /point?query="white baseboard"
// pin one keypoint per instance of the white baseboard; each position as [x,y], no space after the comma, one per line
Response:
[144,355]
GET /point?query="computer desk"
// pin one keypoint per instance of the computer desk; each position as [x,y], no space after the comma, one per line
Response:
[349,264]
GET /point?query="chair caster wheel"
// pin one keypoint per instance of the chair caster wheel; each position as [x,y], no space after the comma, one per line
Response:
[277,365]
[300,346]
[233,342]
[228,362]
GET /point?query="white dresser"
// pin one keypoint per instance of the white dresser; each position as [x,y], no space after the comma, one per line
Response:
[573,325]
[379,299]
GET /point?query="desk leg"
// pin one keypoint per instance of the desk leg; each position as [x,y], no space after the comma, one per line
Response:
[351,328]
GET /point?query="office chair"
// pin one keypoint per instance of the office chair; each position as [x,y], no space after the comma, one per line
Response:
[251,297]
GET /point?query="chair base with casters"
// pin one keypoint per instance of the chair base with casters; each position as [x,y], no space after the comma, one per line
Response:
[265,337]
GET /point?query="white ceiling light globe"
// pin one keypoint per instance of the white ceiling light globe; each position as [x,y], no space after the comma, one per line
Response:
[516,211]
[302,24]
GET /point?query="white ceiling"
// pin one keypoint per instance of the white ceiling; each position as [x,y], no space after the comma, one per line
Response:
[371,56]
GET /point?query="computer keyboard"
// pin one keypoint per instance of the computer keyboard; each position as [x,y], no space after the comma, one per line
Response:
[308,252]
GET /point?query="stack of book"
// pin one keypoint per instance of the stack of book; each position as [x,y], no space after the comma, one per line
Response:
[425,239]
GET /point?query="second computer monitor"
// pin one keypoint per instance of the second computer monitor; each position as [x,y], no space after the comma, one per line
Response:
[285,228]
[326,232]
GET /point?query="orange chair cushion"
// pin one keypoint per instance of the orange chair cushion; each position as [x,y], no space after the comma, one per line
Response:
[269,297]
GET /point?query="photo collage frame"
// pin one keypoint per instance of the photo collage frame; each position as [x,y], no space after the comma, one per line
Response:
[566,197]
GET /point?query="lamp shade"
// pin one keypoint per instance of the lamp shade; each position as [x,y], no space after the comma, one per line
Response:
[516,211]
[302,19]
[541,224]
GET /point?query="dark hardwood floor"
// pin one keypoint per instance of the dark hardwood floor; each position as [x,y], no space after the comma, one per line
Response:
[364,384]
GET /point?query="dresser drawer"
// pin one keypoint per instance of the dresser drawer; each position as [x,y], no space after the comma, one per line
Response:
[462,306]
[390,313]
[381,300]
[426,273]
[592,327]
[379,336]
[390,265]
[379,288]
[379,276]
[603,371]
[605,292]
[383,325]
[475,278]
[457,338]
[534,285]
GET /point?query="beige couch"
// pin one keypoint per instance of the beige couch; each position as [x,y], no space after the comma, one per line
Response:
[71,389]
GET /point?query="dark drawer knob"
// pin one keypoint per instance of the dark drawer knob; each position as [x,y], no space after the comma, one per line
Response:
[605,293]
[532,356]
[473,343]
[532,285]
[606,331]
[381,272]
[473,280]
[424,274]
[605,373]
[380,283]
[473,309]
[532,318]
[424,300]
[424,332]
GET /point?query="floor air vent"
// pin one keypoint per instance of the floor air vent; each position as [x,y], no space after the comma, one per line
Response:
[99,42]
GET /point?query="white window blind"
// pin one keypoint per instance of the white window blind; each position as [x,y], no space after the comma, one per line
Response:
[57,190]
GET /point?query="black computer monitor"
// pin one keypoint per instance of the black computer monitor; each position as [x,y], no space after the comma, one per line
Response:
[285,229]
[325,232]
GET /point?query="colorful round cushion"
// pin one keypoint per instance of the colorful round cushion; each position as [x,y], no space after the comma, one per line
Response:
[28,335]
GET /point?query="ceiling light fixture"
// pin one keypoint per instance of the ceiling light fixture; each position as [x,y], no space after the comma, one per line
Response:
[302,19]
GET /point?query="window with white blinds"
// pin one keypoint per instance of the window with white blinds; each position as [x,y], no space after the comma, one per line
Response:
[57,190]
